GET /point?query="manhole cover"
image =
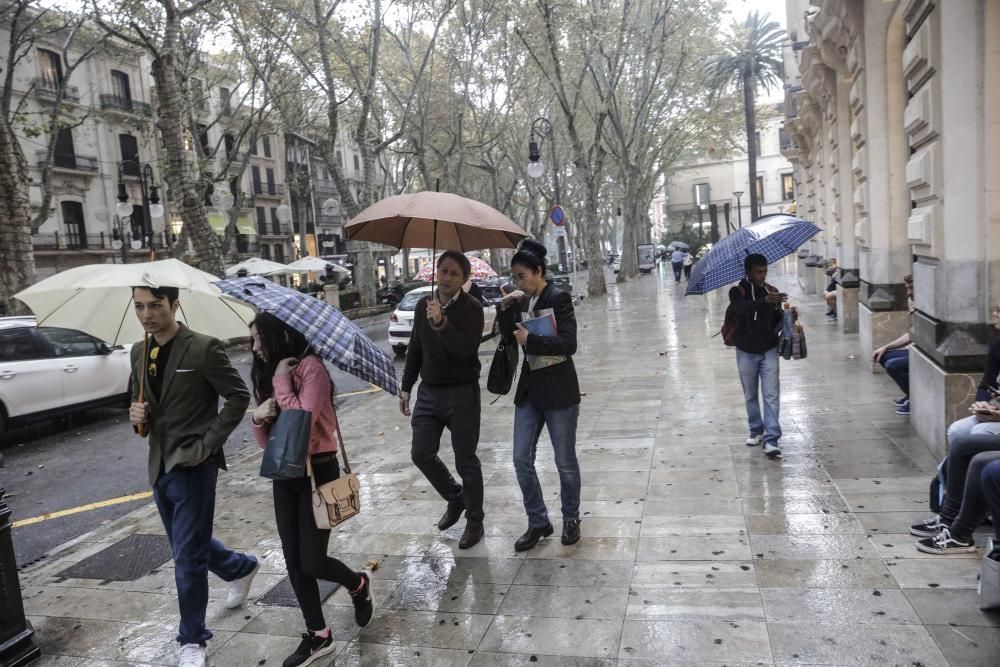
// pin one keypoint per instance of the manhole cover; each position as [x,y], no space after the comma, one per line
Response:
[282,594]
[127,560]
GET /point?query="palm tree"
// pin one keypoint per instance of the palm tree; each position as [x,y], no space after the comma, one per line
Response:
[751,58]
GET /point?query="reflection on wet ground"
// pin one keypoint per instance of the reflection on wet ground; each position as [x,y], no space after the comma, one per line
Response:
[697,549]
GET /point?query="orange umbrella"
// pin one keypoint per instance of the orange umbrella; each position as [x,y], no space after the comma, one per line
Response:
[437,220]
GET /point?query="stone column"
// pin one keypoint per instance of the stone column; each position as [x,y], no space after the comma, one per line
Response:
[802,256]
[810,274]
[883,251]
[945,60]
[331,294]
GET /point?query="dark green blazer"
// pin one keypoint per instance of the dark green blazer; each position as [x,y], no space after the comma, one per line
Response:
[186,425]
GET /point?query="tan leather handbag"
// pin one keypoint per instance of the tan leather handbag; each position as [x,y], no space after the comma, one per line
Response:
[336,501]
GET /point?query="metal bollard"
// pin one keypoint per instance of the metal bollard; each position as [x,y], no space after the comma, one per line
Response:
[16,646]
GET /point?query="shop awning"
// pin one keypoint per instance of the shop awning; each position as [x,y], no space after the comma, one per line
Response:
[243,224]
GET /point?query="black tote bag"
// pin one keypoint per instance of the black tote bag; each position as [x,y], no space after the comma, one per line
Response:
[287,446]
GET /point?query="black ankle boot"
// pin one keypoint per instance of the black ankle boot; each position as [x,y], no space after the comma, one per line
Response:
[531,537]
[571,531]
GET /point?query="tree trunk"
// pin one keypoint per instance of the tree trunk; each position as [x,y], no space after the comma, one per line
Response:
[748,110]
[185,190]
[17,260]
[592,243]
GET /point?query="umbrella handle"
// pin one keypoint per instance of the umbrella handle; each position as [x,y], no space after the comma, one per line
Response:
[434,252]
[143,428]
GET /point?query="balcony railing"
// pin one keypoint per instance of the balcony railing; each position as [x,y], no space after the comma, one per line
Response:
[125,104]
[273,229]
[324,220]
[69,161]
[47,90]
[65,240]
[269,190]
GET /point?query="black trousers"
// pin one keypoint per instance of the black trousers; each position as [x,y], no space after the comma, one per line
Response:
[304,545]
[457,408]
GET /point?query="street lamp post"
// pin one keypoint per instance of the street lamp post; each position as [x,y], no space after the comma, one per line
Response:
[151,206]
[739,210]
[542,129]
[16,646]
[121,238]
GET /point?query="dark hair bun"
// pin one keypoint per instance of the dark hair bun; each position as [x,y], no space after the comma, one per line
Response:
[534,247]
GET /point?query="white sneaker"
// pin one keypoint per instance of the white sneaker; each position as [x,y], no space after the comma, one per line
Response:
[239,589]
[754,440]
[192,655]
[772,450]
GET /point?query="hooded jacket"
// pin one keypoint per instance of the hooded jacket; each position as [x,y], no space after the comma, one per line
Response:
[758,322]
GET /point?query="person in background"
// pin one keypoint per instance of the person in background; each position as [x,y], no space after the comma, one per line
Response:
[973,443]
[895,356]
[830,295]
[688,262]
[757,308]
[444,352]
[991,487]
[288,375]
[547,395]
[677,262]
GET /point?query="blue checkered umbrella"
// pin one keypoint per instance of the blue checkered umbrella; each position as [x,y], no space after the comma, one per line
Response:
[331,335]
[773,236]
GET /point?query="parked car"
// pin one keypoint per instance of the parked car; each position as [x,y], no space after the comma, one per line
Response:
[490,288]
[401,320]
[52,371]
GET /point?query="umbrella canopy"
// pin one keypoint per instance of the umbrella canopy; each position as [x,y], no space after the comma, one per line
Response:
[310,264]
[480,270]
[255,266]
[97,299]
[680,245]
[438,220]
[329,332]
[772,236]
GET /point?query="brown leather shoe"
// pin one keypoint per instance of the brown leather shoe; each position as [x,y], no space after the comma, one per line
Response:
[473,533]
[451,516]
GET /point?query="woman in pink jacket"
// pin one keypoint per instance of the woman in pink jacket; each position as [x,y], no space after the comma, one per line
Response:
[287,374]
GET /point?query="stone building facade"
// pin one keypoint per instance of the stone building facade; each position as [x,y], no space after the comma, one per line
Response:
[893,109]
[707,178]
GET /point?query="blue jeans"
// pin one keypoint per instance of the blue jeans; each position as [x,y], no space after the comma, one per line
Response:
[185,498]
[528,423]
[897,365]
[971,426]
[991,487]
[759,374]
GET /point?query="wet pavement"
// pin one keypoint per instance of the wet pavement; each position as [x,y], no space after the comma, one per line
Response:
[696,549]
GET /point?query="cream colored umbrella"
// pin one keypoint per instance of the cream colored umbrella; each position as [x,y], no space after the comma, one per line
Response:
[97,299]
[255,266]
[308,264]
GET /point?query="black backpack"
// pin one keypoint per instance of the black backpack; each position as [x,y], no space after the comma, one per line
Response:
[730,323]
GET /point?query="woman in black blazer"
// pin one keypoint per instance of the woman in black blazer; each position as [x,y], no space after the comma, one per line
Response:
[547,395]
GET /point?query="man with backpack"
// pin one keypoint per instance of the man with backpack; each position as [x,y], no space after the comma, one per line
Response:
[752,326]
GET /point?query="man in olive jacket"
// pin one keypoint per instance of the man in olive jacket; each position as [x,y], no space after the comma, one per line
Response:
[184,374]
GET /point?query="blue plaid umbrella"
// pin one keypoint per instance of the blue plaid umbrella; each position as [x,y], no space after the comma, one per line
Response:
[773,236]
[333,336]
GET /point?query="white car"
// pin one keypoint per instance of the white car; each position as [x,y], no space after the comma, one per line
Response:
[51,371]
[401,320]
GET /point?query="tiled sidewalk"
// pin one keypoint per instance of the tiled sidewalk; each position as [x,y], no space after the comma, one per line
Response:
[696,550]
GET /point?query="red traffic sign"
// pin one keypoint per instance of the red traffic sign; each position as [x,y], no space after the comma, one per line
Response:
[557,215]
